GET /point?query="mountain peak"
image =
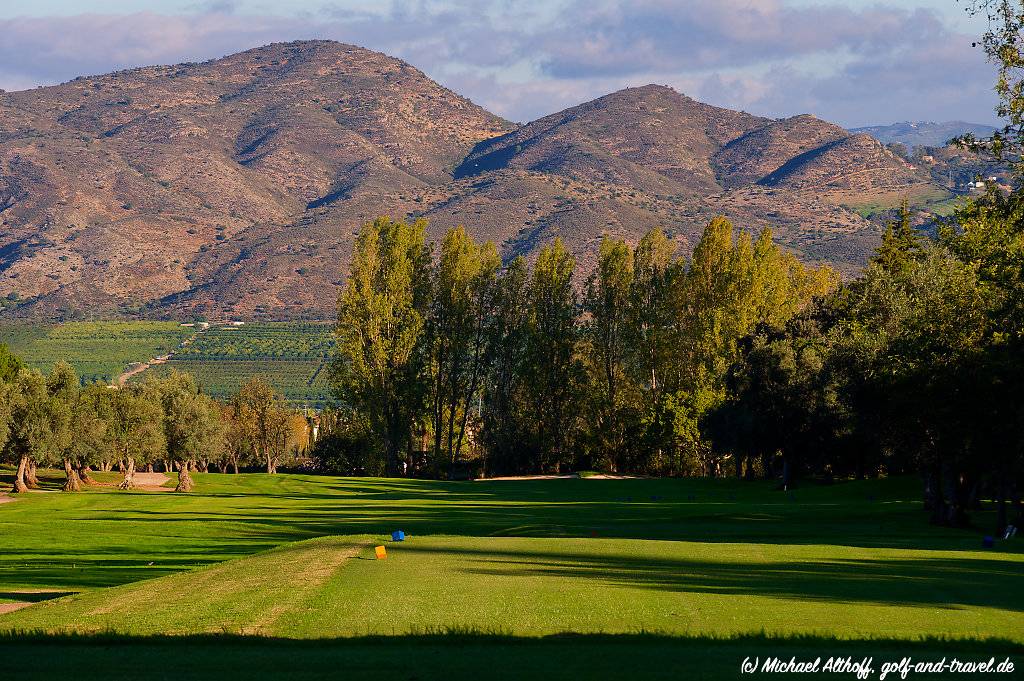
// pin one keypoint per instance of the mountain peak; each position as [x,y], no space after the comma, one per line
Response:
[234,186]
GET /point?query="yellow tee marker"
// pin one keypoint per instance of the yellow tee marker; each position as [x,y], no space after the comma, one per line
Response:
[382,552]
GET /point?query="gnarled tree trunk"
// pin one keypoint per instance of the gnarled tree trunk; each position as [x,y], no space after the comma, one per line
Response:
[74,482]
[83,475]
[185,483]
[30,475]
[129,476]
[19,476]
[234,466]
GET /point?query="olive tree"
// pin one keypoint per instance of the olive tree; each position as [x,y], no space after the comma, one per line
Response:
[135,429]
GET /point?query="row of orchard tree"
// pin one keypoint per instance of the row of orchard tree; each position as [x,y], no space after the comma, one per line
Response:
[168,423]
[456,357]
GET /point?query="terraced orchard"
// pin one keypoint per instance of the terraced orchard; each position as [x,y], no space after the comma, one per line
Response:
[99,351]
[294,357]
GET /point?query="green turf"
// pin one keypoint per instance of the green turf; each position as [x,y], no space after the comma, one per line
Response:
[686,559]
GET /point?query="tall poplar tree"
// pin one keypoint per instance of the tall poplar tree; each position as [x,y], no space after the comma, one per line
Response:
[378,368]
[464,290]
[607,304]
[505,431]
[551,370]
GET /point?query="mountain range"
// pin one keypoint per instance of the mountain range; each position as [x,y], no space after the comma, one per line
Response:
[924,133]
[235,187]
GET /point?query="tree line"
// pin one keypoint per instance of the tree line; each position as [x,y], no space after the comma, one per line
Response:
[737,360]
[163,423]
[456,358]
[913,367]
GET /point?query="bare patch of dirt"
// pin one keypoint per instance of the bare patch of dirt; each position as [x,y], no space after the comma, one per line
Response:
[31,597]
[147,482]
[152,482]
[11,607]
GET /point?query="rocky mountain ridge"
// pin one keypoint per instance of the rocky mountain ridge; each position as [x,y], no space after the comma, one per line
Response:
[235,187]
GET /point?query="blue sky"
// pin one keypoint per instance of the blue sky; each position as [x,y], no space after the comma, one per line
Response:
[856,62]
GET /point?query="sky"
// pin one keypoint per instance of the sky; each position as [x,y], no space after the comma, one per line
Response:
[855,62]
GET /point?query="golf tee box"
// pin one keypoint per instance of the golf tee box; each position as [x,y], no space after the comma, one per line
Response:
[381,552]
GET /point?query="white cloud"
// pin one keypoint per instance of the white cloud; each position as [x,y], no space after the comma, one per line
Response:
[522,60]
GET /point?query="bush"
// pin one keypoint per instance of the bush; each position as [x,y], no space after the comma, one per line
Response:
[344,446]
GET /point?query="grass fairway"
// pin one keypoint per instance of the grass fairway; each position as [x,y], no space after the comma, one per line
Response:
[653,578]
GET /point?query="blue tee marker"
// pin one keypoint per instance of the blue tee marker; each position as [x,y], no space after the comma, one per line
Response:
[398,535]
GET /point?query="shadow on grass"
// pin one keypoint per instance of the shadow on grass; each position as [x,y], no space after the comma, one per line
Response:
[947,583]
[776,520]
[49,480]
[34,596]
[56,569]
[232,516]
[451,655]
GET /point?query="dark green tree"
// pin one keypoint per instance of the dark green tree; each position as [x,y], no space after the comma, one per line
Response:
[505,429]
[607,353]
[10,364]
[378,368]
[552,374]
[135,429]
[191,422]
[462,308]
[40,426]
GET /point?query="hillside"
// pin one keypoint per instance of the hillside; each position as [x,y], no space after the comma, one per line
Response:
[749,158]
[855,163]
[234,187]
[651,138]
